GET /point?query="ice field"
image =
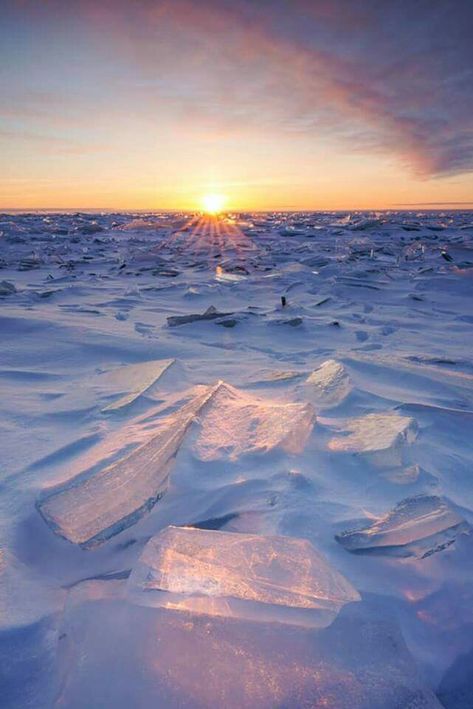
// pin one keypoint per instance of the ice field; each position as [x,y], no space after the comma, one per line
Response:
[236,460]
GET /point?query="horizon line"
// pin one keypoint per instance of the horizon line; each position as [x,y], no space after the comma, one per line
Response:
[399,206]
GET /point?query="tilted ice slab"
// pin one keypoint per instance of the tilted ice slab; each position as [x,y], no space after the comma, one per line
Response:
[234,422]
[210,314]
[222,573]
[379,437]
[328,385]
[418,526]
[92,508]
[135,379]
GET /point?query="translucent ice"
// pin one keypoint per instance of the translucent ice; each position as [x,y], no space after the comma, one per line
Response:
[213,572]
[233,423]
[135,379]
[379,437]
[92,508]
[418,526]
[328,385]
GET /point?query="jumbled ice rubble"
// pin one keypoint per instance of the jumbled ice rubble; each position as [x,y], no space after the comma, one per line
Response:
[220,573]
[229,423]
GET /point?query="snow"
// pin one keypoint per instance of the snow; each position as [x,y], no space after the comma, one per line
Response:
[299,383]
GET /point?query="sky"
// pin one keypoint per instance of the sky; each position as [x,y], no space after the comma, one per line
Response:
[276,104]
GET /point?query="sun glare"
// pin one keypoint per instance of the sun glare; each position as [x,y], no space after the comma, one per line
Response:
[213,203]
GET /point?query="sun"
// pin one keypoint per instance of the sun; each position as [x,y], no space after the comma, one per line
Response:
[213,203]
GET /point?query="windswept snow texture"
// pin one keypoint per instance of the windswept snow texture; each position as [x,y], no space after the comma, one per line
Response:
[236,460]
[193,563]
[418,526]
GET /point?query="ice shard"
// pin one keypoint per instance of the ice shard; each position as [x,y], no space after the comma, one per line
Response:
[135,380]
[94,507]
[379,437]
[328,385]
[243,575]
[234,423]
[418,526]
[210,314]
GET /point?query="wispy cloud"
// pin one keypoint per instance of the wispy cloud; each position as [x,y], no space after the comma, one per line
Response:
[380,76]
[389,75]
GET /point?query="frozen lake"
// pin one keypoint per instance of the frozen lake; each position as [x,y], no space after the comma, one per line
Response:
[236,460]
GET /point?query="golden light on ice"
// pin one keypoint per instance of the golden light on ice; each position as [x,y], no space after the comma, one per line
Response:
[213,203]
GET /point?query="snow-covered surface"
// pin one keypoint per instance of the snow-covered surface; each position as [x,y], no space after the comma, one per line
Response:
[153,380]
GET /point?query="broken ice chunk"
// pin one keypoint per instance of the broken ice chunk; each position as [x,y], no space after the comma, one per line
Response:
[379,437]
[418,526]
[234,423]
[135,379]
[219,573]
[92,508]
[210,314]
[328,385]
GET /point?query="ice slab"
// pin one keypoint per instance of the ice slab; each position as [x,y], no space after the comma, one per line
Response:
[217,573]
[135,379]
[379,437]
[92,508]
[328,385]
[210,314]
[234,422]
[418,526]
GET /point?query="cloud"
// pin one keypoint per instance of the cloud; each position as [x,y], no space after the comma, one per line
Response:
[389,76]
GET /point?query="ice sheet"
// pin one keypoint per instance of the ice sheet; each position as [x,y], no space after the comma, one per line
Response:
[117,654]
[375,310]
